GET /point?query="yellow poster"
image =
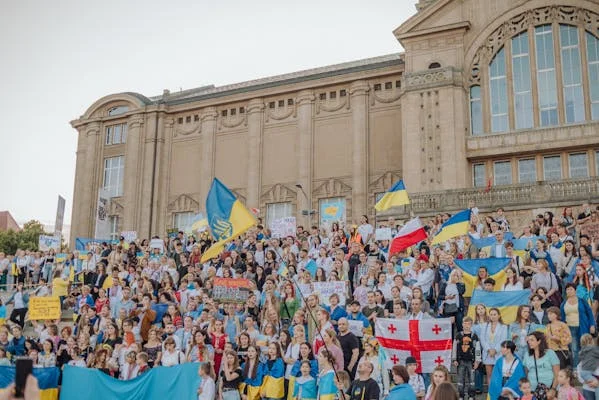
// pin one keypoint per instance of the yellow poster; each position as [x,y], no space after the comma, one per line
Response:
[44,308]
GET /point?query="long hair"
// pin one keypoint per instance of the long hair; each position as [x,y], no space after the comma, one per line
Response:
[540,336]
[519,313]
[235,358]
[500,320]
[247,372]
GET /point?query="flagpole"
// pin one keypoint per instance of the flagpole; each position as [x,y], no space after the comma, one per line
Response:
[316,324]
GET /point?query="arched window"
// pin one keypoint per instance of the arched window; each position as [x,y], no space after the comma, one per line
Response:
[434,65]
[545,75]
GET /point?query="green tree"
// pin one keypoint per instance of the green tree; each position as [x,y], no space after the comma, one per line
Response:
[26,239]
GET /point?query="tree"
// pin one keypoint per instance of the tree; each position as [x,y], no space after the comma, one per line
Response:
[26,239]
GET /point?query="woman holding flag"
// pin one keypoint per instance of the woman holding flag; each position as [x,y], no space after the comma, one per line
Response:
[507,372]
[493,333]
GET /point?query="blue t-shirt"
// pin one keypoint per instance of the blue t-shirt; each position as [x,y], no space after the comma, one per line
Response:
[544,367]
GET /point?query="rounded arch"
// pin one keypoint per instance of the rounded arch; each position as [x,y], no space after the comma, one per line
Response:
[134,100]
[534,12]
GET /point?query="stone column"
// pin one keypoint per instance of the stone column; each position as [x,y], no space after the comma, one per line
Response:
[305,110]
[132,171]
[360,132]
[208,146]
[255,115]
[149,177]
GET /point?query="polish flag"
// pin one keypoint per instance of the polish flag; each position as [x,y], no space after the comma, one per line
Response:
[428,341]
[411,233]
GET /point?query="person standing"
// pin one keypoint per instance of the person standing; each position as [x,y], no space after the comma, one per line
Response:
[350,345]
[20,299]
[364,387]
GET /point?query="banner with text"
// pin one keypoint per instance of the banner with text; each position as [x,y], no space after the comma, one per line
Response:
[231,290]
[326,289]
[283,227]
[45,243]
[44,308]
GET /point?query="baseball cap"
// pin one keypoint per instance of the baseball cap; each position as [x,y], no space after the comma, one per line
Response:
[411,360]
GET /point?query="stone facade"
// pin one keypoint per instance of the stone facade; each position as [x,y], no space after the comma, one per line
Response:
[346,131]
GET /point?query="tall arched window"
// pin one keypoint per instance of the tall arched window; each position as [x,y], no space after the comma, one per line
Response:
[537,76]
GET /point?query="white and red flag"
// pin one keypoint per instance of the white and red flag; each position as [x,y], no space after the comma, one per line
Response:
[428,341]
[411,233]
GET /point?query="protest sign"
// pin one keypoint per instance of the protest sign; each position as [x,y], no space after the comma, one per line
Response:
[172,233]
[46,242]
[332,210]
[383,234]
[326,289]
[356,327]
[130,236]
[157,244]
[283,227]
[231,290]
[44,308]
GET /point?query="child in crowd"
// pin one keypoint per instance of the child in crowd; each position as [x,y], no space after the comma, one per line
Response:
[142,363]
[467,356]
[416,380]
[588,361]
[526,389]
[305,385]
[76,359]
[565,381]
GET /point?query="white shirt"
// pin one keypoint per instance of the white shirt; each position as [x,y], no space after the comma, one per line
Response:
[364,230]
[208,389]
[169,359]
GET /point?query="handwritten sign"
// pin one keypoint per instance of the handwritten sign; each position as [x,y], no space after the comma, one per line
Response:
[46,242]
[44,308]
[230,290]
[283,227]
[326,289]
[130,236]
[356,327]
[157,244]
[383,234]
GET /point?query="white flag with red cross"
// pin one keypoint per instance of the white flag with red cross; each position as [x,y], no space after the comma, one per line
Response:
[428,341]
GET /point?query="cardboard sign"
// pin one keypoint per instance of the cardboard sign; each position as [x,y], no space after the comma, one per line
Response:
[383,234]
[157,244]
[44,308]
[231,290]
[130,236]
[326,289]
[356,327]
[46,242]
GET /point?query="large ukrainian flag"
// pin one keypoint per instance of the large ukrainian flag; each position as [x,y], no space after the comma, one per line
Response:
[457,225]
[506,302]
[273,384]
[47,380]
[396,196]
[494,266]
[227,217]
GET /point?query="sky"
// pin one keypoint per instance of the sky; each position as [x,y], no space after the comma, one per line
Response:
[57,58]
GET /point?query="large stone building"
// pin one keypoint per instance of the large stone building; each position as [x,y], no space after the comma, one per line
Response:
[487,93]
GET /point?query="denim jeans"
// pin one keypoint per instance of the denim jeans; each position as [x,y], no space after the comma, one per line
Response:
[231,395]
[466,379]
[575,345]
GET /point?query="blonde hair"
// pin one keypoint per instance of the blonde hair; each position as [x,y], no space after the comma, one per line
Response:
[587,340]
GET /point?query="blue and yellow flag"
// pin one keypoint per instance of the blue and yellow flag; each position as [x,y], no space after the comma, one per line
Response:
[47,380]
[159,383]
[227,217]
[506,302]
[396,196]
[327,390]
[494,266]
[273,385]
[457,225]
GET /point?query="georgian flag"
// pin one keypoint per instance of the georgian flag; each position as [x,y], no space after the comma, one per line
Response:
[428,341]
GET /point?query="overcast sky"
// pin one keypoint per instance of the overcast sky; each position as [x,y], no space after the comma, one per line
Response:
[57,58]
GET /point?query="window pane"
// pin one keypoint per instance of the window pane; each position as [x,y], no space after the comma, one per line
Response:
[552,168]
[109,135]
[547,85]
[502,173]
[522,82]
[276,211]
[571,74]
[498,93]
[478,175]
[593,54]
[117,134]
[183,220]
[114,227]
[527,171]
[113,176]
[476,114]
[578,165]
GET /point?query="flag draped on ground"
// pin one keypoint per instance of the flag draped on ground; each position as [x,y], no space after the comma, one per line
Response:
[428,341]
[457,225]
[411,233]
[506,302]
[495,268]
[397,195]
[47,380]
[227,217]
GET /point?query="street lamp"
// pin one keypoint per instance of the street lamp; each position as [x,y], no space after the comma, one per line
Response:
[307,212]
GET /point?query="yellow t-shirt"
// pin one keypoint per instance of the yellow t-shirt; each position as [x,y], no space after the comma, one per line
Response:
[572,317]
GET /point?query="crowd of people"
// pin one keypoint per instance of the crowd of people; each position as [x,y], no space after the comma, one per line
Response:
[138,306]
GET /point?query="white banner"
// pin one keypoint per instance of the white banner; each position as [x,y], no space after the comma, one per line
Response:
[49,242]
[130,236]
[356,327]
[383,234]
[102,222]
[283,227]
[326,289]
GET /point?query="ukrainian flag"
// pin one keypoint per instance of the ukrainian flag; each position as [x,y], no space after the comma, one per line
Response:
[227,217]
[47,380]
[396,196]
[506,302]
[457,225]
[273,385]
[251,386]
[494,266]
[327,390]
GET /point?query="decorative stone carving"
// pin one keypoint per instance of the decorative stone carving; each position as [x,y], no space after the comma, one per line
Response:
[384,181]
[93,128]
[332,188]
[115,207]
[183,203]
[278,194]
[280,114]
[232,122]
[392,98]
[432,78]
[135,121]
[333,106]
[195,128]
[519,23]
